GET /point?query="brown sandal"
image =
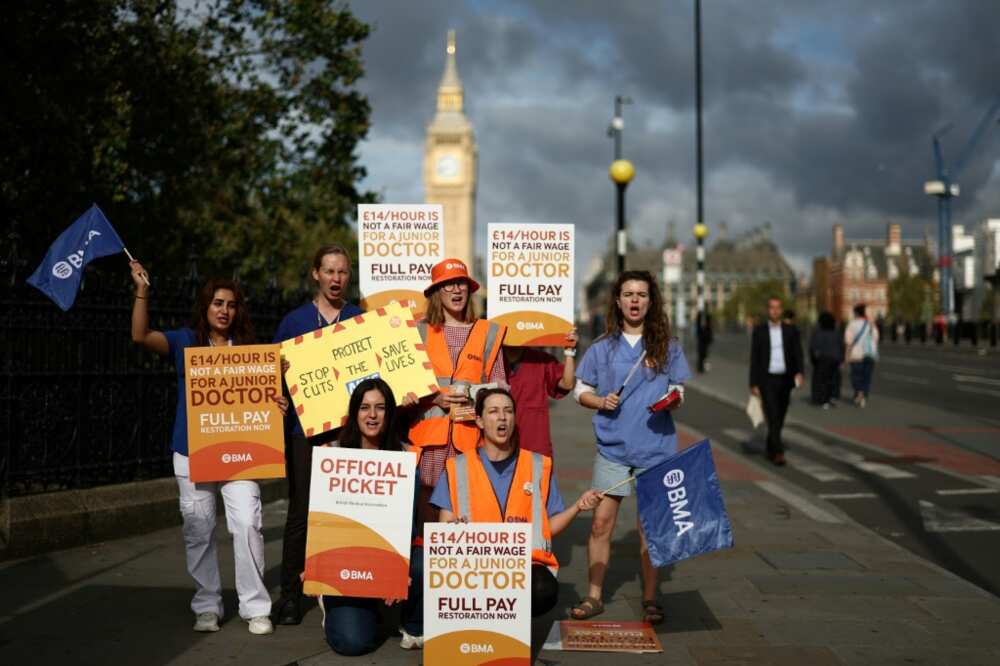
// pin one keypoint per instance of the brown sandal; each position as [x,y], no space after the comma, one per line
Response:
[587,608]
[652,612]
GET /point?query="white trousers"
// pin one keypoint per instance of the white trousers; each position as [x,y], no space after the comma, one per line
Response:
[243,518]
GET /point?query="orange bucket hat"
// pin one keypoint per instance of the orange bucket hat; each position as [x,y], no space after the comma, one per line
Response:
[450,269]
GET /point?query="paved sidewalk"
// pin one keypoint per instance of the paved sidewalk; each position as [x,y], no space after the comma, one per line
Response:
[801,586]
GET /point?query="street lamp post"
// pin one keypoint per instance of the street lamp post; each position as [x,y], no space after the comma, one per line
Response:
[621,173]
[700,230]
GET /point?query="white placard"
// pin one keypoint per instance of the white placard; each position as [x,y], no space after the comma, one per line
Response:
[530,273]
[477,593]
[398,244]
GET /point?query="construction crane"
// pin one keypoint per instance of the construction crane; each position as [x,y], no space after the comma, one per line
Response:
[944,188]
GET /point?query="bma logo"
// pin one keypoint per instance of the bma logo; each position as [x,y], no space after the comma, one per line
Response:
[64,269]
[677,497]
[352,574]
[673,478]
[475,648]
[530,326]
[236,457]
[457,264]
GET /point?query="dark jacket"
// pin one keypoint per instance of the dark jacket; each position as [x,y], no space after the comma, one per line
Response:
[760,352]
[826,344]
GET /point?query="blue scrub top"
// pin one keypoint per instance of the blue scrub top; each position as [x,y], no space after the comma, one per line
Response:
[631,435]
[177,341]
[441,497]
[302,320]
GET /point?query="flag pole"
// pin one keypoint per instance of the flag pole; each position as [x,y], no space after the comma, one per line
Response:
[128,254]
[618,485]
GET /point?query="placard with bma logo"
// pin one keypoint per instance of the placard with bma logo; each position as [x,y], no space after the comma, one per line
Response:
[477,593]
[235,429]
[530,275]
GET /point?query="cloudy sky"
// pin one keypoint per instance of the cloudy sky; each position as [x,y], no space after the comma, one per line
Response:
[816,112]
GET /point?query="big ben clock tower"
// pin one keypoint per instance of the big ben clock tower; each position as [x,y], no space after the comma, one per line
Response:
[450,164]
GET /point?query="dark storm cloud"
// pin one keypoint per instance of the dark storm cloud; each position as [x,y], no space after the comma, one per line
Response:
[815,112]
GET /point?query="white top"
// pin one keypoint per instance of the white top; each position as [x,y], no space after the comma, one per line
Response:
[777,364]
[632,338]
[867,344]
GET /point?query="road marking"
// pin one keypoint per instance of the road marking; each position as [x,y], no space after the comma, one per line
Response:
[849,457]
[905,378]
[939,519]
[925,364]
[976,379]
[739,436]
[799,502]
[978,391]
[817,471]
[846,496]
[967,491]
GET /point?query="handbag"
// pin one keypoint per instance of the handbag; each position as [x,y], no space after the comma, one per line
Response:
[755,410]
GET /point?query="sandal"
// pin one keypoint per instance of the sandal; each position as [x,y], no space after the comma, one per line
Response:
[652,612]
[587,608]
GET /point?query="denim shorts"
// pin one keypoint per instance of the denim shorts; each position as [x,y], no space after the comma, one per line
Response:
[608,473]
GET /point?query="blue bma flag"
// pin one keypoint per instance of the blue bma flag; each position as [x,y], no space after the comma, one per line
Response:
[89,238]
[681,507]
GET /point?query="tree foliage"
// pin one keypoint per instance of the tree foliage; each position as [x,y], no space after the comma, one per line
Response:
[750,300]
[225,130]
[911,298]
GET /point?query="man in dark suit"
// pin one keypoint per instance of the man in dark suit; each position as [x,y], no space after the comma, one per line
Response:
[775,369]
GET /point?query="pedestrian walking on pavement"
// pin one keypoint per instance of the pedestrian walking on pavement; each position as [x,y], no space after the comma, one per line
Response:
[704,338]
[220,318]
[632,367]
[331,270]
[826,351]
[775,369]
[535,377]
[350,624]
[861,339]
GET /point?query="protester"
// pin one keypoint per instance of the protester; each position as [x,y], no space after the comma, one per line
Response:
[496,483]
[861,339]
[535,376]
[331,269]
[704,337]
[464,352]
[220,318]
[632,366]
[775,369]
[351,623]
[826,351]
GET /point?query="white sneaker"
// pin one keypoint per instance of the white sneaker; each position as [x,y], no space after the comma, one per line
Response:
[261,625]
[409,642]
[206,622]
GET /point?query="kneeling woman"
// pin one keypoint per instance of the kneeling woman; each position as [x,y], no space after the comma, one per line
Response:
[351,623]
[497,483]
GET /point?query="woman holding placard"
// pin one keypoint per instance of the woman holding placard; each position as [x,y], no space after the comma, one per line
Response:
[220,318]
[465,354]
[498,481]
[331,269]
[633,376]
[350,623]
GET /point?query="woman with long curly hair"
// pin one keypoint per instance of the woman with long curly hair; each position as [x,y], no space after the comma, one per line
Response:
[628,369]
[220,318]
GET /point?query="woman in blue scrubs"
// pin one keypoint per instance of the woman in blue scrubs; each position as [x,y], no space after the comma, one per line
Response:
[634,364]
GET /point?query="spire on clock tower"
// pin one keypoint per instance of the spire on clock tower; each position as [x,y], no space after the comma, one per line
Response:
[450,88]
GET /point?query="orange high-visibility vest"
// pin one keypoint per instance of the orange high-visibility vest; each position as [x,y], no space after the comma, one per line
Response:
[473,499]
[475,362]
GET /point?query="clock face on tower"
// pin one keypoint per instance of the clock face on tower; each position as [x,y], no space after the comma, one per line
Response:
[447,167]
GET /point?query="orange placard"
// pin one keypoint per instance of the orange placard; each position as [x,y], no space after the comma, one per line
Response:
[235,429]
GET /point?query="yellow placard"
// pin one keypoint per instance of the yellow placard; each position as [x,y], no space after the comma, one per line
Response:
[235,429]
[325,365]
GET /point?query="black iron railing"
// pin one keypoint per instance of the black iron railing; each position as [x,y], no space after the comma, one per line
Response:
[80,404]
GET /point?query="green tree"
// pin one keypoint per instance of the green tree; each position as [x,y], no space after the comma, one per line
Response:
[750,300]
[227,129]
[910,297]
